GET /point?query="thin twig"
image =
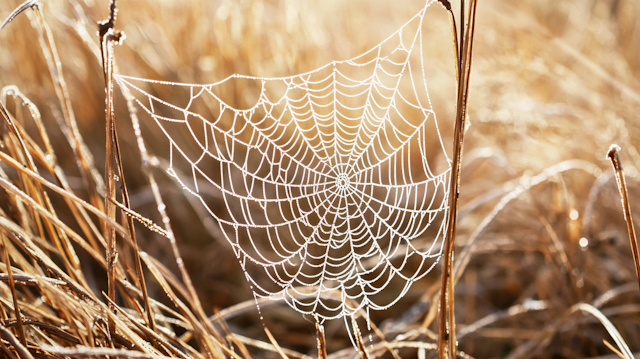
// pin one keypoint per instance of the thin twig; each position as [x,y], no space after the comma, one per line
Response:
[614,156]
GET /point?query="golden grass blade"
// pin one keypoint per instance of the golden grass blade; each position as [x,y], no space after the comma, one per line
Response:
[25,279]
[613,349]
[545,335]
[209,343]
[66,252]
[22,240]
[66,194]
[22,351]
[144,221]
[12,287]
[622,345]
[48,215]
[163,343]
[155,337]
[136,254]
[275,344]
[562,254]
[7,351]
[90,175]
[511,312]
[97,352]
[454,37]
[240,345]
[48,328]
[269,347]
[15,92]
[24,6]
[48,160]
[525,185]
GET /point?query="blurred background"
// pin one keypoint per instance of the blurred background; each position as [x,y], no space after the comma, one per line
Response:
[552,81]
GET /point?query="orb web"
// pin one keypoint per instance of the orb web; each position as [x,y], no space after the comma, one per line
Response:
[325,187]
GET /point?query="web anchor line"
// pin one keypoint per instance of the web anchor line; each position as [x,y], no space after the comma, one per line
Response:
[326,189]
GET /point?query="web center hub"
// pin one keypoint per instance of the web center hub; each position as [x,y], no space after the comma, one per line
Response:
[342,182]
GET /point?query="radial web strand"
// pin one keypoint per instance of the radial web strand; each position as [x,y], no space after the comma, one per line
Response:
[326,187]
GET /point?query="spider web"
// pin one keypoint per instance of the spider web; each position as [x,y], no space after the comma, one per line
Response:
[323,187]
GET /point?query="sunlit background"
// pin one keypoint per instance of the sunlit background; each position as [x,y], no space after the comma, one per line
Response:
[552,81]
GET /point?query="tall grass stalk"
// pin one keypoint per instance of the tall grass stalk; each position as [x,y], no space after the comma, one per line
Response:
[447,337]
[614,156]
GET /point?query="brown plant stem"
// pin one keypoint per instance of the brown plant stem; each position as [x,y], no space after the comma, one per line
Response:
[358,336]
[447,338]
[614,156]
[322,342]
[109,37]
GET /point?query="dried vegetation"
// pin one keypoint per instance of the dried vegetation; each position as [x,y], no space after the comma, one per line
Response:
[543,266]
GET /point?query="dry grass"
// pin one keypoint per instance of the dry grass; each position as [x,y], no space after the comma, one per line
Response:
[553,85]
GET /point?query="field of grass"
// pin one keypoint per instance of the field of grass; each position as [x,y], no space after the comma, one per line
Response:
[543,264]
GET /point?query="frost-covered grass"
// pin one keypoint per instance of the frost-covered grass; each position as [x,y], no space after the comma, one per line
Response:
[541,231]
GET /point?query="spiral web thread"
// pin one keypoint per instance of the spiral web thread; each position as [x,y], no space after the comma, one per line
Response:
[324,185]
